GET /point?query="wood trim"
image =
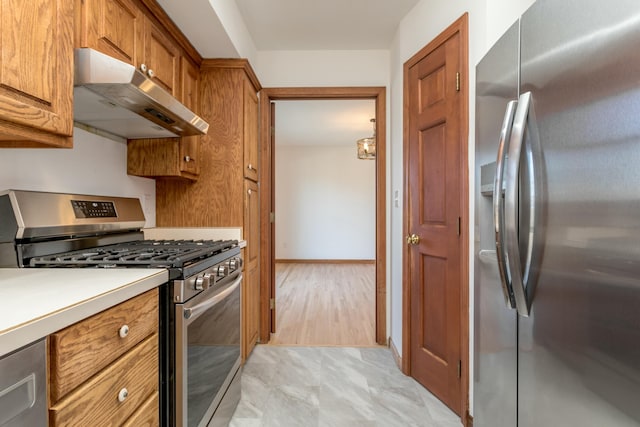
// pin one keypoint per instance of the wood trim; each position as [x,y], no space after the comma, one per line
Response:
[351,92]
[459,26]
[394,352]
[241,63]
[15,135]
[325,261]
[169,26]
[355,92]
[467,233]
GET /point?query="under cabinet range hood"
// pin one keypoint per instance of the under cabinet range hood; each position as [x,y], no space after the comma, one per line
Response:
[115,97]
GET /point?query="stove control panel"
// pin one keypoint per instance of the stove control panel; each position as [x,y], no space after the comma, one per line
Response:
[93,209]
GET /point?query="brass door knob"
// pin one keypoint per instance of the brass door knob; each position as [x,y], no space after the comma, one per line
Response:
[413,239]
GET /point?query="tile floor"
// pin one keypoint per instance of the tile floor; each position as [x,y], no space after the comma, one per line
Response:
[333,387]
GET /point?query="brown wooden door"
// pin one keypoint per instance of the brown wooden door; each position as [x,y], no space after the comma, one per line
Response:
[435,185]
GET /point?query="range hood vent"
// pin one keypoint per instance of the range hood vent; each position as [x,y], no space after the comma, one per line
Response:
[113,96]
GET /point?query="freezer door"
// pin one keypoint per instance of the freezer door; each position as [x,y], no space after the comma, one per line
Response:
[495,322]
[579,351]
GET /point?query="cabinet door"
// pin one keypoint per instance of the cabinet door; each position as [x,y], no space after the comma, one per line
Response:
[189,146]
[251,306]
[250,136]
[162,58]
[113,27]
[36,66]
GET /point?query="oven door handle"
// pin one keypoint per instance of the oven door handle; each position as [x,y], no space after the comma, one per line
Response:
[191,314]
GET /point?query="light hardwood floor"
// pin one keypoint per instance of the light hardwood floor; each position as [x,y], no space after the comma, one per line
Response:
[325,304]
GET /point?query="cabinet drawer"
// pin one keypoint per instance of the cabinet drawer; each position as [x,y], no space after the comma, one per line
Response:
[147,415]
[83,349]
[97,401]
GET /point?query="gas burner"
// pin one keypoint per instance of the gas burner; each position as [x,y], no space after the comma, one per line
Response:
[140,253]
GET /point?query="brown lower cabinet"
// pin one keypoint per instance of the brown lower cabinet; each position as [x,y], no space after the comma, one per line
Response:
[104,370]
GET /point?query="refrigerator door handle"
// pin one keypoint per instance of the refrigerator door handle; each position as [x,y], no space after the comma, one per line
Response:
[518,276]
[498,202]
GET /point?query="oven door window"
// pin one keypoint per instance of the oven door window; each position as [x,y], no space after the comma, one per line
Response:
[211,335]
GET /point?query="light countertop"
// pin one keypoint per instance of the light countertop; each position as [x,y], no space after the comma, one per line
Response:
[35,302]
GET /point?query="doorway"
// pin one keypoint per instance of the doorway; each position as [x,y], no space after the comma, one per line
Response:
[268,282]
[435,263]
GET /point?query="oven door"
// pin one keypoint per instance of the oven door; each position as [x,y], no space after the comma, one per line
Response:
[207,351]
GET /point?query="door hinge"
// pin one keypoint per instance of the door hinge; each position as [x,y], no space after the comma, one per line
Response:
[458,82]
[459,225]
[272,217]
[459,368]
[272,303]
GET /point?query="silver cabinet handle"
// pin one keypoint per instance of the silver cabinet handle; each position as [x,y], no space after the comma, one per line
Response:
[519,276]
[122,395]
[250,167]
[150,73]
[189,159]
[123,331]
[143,68]
[498,202]
[249,191]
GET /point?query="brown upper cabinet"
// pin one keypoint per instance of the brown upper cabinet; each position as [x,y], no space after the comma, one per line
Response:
[114,27]
[121,29]
[250,135]
[36,73]
[189,95]
[171,157]
[161,59]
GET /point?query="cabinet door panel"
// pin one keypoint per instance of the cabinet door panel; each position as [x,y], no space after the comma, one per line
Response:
[97,340]
[162,57]
[250,132]
[113,27]
[36,64]
[251,304]
[189,146]
[115,393]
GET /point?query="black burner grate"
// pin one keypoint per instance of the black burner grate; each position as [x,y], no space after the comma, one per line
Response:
[140,253]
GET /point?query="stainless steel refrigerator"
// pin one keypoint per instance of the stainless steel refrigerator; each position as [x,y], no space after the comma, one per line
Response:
[557,226]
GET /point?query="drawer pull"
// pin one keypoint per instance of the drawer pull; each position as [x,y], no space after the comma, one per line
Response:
[122,396]
[124,331]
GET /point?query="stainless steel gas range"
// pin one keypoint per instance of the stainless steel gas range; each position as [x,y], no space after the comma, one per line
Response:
[200,306]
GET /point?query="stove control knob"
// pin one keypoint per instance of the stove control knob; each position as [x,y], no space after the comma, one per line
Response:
[222,270]
[201,283]
[233,264]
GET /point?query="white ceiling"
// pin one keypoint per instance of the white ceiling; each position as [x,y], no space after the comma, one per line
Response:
[323,122]
[323,24]
[301,25]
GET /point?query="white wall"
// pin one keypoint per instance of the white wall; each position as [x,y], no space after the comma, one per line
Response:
[95,165]
[325,203]
[233,23]
[323,68]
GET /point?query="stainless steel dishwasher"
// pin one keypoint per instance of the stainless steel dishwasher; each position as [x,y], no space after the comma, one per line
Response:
[23,400]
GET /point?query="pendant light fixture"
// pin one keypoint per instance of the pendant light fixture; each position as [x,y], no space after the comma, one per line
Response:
[367,146]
